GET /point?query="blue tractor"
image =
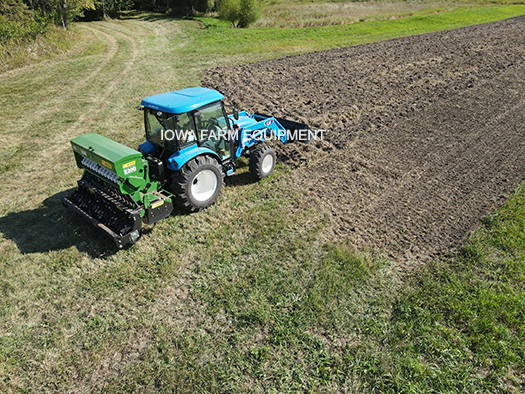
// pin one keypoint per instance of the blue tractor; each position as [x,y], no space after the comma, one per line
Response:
[191,145]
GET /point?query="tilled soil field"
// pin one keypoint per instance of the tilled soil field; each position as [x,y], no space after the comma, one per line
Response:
[425,135]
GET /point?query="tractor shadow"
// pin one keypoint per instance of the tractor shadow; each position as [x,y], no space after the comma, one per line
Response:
[52,227]
[242,177]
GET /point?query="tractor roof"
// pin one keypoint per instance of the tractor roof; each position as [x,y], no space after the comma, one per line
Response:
[181,101]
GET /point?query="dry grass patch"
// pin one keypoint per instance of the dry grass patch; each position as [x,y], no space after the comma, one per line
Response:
[341,13]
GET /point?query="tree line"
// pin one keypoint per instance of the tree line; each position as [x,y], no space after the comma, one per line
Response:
[28,18]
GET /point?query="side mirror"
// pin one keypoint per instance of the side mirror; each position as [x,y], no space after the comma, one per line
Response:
[236,113]
[197,114]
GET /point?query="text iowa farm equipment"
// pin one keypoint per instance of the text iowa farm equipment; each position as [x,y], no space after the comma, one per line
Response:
[191,144]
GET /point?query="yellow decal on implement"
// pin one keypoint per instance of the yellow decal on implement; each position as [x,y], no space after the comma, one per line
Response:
[107,165]
[157,204]
[131,163]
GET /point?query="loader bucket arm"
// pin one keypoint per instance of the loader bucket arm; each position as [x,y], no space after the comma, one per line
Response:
[288,130]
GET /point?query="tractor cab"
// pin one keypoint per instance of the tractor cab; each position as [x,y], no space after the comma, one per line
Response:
[186,122]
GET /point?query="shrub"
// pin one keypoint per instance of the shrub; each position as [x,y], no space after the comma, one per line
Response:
[241,13]
[16,21]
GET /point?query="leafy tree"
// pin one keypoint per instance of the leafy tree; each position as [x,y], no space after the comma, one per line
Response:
[110,8]
[190,7]
[14,9]
[16,20]
[241,13]
[249,12]
[115,6]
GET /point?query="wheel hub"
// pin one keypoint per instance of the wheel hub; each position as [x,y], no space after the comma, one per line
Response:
[204,185]
[267,164]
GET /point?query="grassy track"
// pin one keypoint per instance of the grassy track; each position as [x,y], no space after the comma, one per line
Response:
[245,296]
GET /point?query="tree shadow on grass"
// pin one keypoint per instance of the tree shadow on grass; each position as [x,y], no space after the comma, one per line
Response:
[157,16]
[52,227]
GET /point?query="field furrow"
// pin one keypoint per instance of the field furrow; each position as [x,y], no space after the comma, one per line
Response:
[423,134]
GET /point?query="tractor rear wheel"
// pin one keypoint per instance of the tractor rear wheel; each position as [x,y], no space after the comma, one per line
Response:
[198,184]
[262,161]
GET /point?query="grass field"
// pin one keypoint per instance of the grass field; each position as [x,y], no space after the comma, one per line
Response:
[250,295]
[288,14]
[304,13]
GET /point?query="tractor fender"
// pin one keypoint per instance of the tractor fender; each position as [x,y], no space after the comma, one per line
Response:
[178,159]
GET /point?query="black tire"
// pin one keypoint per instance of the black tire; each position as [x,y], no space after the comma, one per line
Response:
[262,161]
[204,171]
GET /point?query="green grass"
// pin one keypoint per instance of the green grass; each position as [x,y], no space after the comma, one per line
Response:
[312,319]
[459,326]
[265,43]
[248,295]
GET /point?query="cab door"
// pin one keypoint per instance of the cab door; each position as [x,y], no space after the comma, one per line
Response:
[213,129]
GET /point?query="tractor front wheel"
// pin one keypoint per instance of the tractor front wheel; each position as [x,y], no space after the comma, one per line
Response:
[198,184]
[262,161]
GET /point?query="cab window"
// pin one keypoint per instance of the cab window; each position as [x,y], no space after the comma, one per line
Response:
[213,129]
[169,131]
